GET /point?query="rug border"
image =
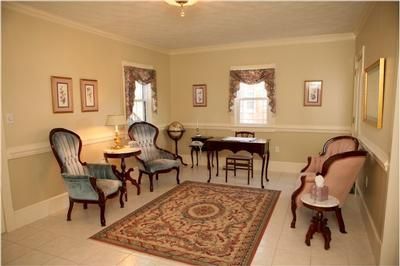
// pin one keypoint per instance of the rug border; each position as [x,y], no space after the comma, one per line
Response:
[183,260]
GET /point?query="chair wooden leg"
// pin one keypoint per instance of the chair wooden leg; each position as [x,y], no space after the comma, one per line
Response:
[226,171]
[339,217]
[252,168]
[121,194]
[234,167]
[197,157]
[140,177]
[191,156]
[71,205]
[177,176]
[248,174]
[294,207]
[84,206]
[102,206]
[151,182]
[157,177]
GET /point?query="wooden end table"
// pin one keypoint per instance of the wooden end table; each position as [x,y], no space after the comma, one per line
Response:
[124,175]
[319,223]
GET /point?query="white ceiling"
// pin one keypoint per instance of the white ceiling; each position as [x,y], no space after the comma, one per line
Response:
[209,23]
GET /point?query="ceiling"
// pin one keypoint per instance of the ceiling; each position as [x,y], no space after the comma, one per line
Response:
[209,23]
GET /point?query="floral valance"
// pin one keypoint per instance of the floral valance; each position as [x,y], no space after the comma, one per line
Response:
[143,76]
[252,76]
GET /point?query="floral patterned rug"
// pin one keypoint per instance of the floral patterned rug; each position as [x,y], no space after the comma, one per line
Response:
[197,223]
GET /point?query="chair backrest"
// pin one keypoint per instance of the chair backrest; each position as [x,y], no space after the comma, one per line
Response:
[339,144]
[66,146]
[341,171]
[145,134]
[245,134]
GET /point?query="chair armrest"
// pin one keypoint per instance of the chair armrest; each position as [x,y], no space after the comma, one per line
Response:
[102,171]
[82,187]
[314,164]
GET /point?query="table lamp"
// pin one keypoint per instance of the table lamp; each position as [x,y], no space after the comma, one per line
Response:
[116,120]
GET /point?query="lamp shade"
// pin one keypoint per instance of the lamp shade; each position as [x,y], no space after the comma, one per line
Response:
[181,3]
[115,120]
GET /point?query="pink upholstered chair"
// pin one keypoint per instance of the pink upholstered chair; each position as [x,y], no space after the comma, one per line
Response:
[340,172]
[331,147]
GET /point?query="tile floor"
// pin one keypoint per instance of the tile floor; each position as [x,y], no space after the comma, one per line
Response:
[54,241]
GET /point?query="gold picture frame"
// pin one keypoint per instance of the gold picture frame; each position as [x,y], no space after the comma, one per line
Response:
[312,93]
[61,92]
[374,87]
[199,95]
[89,95]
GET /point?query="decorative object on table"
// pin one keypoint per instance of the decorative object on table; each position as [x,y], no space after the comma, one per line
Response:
[153,160]
[374,87]
[182,4]
[86,183]
[197,145]
[319,192]
[61,92]
[199,95]
[116,120]
[123,175]
[235,161]
[89,96]
[312,92]
[319,224]
[175,131]
[340,171]
[197,129]
[164,227]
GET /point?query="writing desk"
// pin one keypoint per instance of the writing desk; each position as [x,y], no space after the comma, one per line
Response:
[257,146]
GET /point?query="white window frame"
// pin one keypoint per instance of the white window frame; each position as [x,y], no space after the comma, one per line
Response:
[147,92]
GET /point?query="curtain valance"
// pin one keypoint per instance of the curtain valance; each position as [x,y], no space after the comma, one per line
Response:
[252,76]
[143,76]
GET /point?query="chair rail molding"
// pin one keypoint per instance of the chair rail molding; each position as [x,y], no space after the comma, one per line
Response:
[275,128]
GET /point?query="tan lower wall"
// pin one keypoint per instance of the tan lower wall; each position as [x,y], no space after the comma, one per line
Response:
[372,185]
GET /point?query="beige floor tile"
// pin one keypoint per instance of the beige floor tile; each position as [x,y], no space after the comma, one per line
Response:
[60,262]
[32,258]
[11,251]
[37,239]
[59,245]
[291,257]
[20,233]
[105,257]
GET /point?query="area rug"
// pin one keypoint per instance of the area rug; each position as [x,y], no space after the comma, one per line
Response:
[197,223]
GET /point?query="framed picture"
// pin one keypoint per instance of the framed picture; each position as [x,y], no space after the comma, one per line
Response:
[61,91]
[312,92]
[200,95]
[89,100]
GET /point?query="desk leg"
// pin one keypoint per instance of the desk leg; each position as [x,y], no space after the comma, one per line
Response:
[266,167]
[123,178]
[191,155]
[133,181]
[208,167]
[262,171]
[216,155]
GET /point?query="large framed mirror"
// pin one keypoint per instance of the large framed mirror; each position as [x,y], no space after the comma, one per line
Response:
[373,93]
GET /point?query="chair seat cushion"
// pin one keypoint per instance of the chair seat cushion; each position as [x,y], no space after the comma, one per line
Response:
[240,157]
[161,164]
[108,186]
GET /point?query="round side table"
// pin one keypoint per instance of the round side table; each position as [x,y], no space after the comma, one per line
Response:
[319,223]
[123,175]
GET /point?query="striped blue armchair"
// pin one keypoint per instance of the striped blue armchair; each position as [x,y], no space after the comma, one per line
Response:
[153,160]
[85,183]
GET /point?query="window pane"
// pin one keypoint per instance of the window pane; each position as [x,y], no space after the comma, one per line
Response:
[139,108]
[252,91]
[253,111]
[138,91]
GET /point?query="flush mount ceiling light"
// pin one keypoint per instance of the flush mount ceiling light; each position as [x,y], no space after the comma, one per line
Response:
[182,4]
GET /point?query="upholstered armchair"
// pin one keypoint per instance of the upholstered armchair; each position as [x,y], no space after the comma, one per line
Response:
[340,171]
[153,160]
[331,147]
[86,183]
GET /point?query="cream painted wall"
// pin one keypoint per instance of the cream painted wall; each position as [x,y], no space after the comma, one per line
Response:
[331,62]
[33,50]
[380,35]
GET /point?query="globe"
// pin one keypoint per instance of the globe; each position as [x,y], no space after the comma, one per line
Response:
[175,130]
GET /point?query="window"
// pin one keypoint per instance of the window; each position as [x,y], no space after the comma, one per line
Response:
[251,104]
[140,109]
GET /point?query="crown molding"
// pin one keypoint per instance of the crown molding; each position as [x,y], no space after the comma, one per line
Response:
[265,43]
[30,11]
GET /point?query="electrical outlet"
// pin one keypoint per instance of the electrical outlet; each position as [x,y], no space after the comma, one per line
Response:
[277,149]
[366,181]
[10,118]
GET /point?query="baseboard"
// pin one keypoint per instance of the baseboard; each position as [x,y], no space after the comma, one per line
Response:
[275,166]
[372,232]
[40,210]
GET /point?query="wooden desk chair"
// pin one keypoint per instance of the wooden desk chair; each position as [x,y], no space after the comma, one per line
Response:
[240,161]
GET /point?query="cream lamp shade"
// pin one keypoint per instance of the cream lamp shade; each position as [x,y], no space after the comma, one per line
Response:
[181,4]
[116,120]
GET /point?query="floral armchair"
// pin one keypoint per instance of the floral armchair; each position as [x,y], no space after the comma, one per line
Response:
[153,160]
[85,183]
